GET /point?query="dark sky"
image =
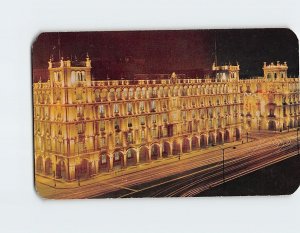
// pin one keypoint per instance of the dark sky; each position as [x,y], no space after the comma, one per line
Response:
[166,51]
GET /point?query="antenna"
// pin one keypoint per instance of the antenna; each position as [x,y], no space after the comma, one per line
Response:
[58,45]
[216,48]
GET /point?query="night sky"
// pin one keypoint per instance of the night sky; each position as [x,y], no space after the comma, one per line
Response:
[184,51]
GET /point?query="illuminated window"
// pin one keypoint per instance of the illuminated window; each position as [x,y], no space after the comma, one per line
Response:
[103,159]
[153,105]
[117,124]
[193,114]
[97,95]
[102,142]
[117,156]
[79,111]
[142,120]
[165,117]
[143,135]
[80,128]
[153,119]
[142,107]
[116,108]
[154,133]
[117,139]
[129,122]
[129,108]
[129,155]
[131,93]
[101,110]
[78,94]
[102,125]
[129,137]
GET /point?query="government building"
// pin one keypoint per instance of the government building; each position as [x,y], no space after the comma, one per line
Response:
[84,128]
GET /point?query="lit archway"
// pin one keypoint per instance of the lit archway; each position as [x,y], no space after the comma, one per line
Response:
[226,136]
[219,138]
[237,134]
[39,164]
[61,170]
[211,139]
[131,157]
[185,145]
[203,141]
[155,150]
[195,143]
[272,125]
[48,167]
[291,124]
[166,151]
[82,170]
[144,154]
[118,160]
[176,148]
[103,163]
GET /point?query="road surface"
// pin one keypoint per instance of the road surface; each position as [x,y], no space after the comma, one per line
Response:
[192,174]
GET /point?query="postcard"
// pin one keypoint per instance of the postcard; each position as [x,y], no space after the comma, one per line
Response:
[170,113]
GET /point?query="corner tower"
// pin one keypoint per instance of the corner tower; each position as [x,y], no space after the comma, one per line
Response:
[274,72]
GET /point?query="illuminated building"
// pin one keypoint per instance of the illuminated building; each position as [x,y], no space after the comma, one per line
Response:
[84,128]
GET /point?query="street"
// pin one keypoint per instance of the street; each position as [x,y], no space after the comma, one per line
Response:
[191,175]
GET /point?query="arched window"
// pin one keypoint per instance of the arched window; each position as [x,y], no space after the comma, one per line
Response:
[116,109]
[129,108]
[142,107]
[101,110]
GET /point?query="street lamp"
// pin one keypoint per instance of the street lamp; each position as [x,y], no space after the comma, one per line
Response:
[54,179]
[258,120]
[78,177]
[223,158]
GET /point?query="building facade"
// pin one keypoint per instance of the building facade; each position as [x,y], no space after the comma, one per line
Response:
[84,128]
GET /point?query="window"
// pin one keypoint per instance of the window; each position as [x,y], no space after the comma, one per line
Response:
[193,114]
[165,117]
[153,106]
[117,156]
[154,132]
[78,94]
[129,137]
[97,95]
[80,128]
[142,120]
[143,135]
[102,142]
[130,93]
[117,140]
[116,108]
[102,125]
[153,119]
[129,155]
[129,108]
[183,115]
[117,124]
[103,159]
[101,111]
[129,122]
[143,93]
[80,111]
[154,93]
[142,106]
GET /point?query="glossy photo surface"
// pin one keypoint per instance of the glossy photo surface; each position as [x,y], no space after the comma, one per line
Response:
[184,113]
